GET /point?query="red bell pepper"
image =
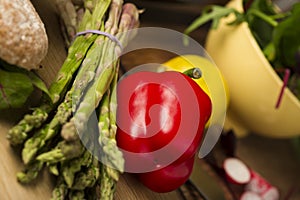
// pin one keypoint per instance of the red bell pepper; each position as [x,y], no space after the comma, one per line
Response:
[161,119]
[168,178]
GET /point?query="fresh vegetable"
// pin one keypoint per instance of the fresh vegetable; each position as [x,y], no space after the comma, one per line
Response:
[275,32]
[248,195]
[214,85]
[61,134]
[185,62]
[262,187]
[217,91]
[168,178]
[161,119]
[236,171]
[237,179]
[16,85]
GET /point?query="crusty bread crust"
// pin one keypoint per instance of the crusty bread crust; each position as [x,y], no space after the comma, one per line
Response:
[23,38]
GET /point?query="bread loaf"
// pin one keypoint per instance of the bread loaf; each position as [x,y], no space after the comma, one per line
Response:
[23,38]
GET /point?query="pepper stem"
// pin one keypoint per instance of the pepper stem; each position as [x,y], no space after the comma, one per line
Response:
[194,73]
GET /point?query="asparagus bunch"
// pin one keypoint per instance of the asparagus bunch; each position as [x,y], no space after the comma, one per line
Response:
[76,53]
[59,134]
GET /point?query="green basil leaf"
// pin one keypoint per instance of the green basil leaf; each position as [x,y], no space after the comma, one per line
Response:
[15,89]
[286,38]
[259,26]
[37,82]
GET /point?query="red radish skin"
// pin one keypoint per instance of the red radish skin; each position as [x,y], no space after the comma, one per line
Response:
[236,171]
[248,195]
[262,187]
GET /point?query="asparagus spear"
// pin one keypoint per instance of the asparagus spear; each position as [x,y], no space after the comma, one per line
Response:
[18,133]
[30,172]
[39,139]
[53,169]
[60,191]
[71,12]
[69,169]
[64,151]
[97,54]
[68,153]
[76,195]
[88,178]
[113,107]
[84,76]
[104,116]
[110,154]
[64,111]
[64,77]
[57,90]
[105,73]
[110,175]
[107,184]
[76,172]
[112,159]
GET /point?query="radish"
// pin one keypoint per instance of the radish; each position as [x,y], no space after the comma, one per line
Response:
[248,195]
[236,171]
[262,187]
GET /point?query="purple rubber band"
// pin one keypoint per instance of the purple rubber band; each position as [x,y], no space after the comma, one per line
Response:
[111,37]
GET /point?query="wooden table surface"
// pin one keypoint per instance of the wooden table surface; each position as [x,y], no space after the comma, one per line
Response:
[274,159]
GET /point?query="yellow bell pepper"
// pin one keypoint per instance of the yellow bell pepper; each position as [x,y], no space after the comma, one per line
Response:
[212,81]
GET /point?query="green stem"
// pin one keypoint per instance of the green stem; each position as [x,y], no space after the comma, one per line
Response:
[107,184]
[113,108]
[263,16]
[280,15]
[194,73]
[104,117]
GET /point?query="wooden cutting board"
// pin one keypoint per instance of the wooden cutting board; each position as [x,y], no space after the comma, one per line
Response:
[10,189]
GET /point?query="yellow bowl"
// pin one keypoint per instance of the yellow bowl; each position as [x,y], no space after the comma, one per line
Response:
[253,84]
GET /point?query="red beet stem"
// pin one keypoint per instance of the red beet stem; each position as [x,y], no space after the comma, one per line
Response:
[285,82]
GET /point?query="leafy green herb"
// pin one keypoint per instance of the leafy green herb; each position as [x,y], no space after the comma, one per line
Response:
[15,88]
[215,14]
[16,85]
[286,39]
[258,16]
[38,83]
